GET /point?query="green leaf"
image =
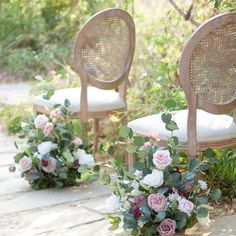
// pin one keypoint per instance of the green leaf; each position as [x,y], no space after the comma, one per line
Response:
[124,131]
[181,220]
[49,94]
[171,126]
[111,150]
[105,178]
[215,194]
[160,216]
[131,149]
[68,156]
[96,168]
[129,222]
[202,200]
[162,190]
[66,103]
[114,221]
[146,210]
[192,164]
[63,175]
[34,176]
[170,104]
[166,117]
[139,141]
[18,156]
[134,232]
[82,168]
[202,212]
[59,184]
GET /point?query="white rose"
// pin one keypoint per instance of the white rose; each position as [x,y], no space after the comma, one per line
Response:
[46,147]
[87,159]
[155,179]
[113,203]
[202,184]
[78,153]
[40,121]
[138,174]
[161,159]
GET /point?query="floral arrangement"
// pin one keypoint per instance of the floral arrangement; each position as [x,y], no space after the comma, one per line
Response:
[164,192]
[53,154]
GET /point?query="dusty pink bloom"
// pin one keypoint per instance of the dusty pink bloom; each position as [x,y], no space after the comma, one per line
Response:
[147,145]
[189,186]
[157,201]
[186,206]
[55,114]
[138,201]
[77,141]
[161,159]
[25,163]
[40,121]
[12,168]
[154,135]
[49,165]
[48,129]
[167,227]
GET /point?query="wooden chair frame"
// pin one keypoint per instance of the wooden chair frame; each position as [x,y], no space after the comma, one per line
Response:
[194,101]
[120,82]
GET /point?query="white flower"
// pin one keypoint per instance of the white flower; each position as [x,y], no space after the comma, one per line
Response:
[37,155]
[138,174]
[46,147]
[40,121]
[78,153]
[135,184]
[77,141]
[113,203]
[24,146]
[155,179]
[87,159]
[174,197]
[203,184]
[162,159]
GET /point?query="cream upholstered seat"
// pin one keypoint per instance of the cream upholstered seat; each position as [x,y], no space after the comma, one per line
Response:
[210,127]
[103,54]
[98,99]
[208,77]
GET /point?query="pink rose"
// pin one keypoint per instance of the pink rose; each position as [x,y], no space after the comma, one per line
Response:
[189,186]
[49,165]
[161,159]
[167,227]
[147,145]
[55,114]
[48,129]
[186,206]
[25,163]
[154,135]
[40,121]
[156,201]
[77,141]
[138,201]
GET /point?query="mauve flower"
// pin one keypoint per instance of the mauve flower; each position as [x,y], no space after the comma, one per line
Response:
[75,164]
[161,159]
[49,165]
[189,186]
[167,227]
[155,179]
[157,202]
[77,141]
[48,129]
[147,145]
[25,163]
[186,206]
[40,121]
[138,201]
[55,114]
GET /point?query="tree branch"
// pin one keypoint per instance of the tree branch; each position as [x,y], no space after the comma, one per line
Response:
[186,16]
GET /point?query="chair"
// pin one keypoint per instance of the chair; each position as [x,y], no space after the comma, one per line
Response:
[208,78]
[103,53]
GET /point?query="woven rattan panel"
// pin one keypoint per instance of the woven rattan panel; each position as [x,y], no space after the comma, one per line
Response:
[105,49]
[213,66]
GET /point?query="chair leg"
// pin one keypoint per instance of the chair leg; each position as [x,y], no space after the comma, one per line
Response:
[96,133]
[130,160]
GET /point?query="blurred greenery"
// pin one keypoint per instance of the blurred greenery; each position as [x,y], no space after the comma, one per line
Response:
[37,36]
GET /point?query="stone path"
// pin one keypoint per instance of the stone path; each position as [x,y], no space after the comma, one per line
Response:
[77,211]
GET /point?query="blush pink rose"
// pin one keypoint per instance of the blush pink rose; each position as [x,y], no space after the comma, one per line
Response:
[48,129]
[55,114]
[167,227]
[186,206]
[147,145]
[40,121]
[157,202]
[49,165]
[25,163]
[161,159]
[154,135]
[77,141]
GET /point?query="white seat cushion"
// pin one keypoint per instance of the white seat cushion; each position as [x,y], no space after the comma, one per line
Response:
[98,99]
[209,127]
